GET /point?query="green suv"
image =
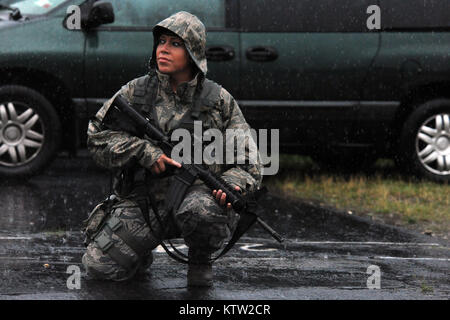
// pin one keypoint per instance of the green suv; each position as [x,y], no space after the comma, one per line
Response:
[337,88]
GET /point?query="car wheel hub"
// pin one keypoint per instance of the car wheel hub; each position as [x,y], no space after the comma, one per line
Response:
[433,144]
[21,134]
[442,143]
[12,134]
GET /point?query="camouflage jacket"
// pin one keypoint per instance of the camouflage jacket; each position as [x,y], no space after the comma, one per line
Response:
[119,150]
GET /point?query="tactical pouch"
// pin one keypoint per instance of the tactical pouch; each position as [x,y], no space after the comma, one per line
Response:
[97,218]
[114,238]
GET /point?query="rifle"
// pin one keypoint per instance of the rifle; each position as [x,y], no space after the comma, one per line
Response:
[122,116]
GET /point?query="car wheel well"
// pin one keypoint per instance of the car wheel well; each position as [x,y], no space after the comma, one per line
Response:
[53,89]
[415,97]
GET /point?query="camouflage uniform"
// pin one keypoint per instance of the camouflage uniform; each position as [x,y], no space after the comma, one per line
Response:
[200,220]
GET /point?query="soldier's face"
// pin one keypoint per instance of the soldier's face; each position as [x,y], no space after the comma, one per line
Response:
[171,55]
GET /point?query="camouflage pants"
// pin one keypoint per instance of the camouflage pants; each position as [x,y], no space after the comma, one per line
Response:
[200,220]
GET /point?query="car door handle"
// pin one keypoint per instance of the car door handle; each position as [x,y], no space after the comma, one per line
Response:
[260,53]
[220,53]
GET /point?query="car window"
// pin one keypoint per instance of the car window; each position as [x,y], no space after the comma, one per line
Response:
[36,7]
[304,15]
[145,13]
[415,14]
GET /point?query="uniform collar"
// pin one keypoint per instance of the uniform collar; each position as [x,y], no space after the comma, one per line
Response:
[185,90]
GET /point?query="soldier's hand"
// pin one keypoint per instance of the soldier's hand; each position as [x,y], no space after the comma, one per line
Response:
[160,165]
[222,196]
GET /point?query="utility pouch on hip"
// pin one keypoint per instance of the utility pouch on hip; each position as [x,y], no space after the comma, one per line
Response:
[97,218]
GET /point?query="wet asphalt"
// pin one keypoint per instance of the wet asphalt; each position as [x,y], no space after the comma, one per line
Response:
[327,254]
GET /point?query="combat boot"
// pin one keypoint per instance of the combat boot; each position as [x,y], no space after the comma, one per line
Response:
[199,269]
[145,264]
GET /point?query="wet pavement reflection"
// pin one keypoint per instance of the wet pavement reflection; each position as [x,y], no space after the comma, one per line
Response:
[326,254]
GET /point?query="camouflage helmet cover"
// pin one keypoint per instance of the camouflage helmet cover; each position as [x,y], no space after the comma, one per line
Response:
[191,30]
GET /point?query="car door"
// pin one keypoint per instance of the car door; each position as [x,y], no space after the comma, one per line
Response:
[119,52]
[303,64]
[413,60]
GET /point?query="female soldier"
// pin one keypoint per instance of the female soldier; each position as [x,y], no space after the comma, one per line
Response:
[173,93]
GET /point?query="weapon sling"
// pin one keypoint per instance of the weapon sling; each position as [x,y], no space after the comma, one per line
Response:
[241,204]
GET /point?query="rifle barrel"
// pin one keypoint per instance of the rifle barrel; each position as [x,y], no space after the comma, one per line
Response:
[272,232]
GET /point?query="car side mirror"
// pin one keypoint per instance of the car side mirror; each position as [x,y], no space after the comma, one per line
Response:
[100,13]
[90,14]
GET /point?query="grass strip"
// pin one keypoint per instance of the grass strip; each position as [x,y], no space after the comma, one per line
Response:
[378,191]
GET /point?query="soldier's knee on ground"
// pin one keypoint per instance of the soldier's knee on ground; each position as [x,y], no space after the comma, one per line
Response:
[100,266]
[121,247]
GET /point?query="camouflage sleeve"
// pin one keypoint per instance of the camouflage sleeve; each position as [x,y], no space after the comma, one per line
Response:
[245,167]
[114,149]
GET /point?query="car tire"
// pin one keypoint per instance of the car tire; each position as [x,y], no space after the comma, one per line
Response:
[30,131]
[425,141]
